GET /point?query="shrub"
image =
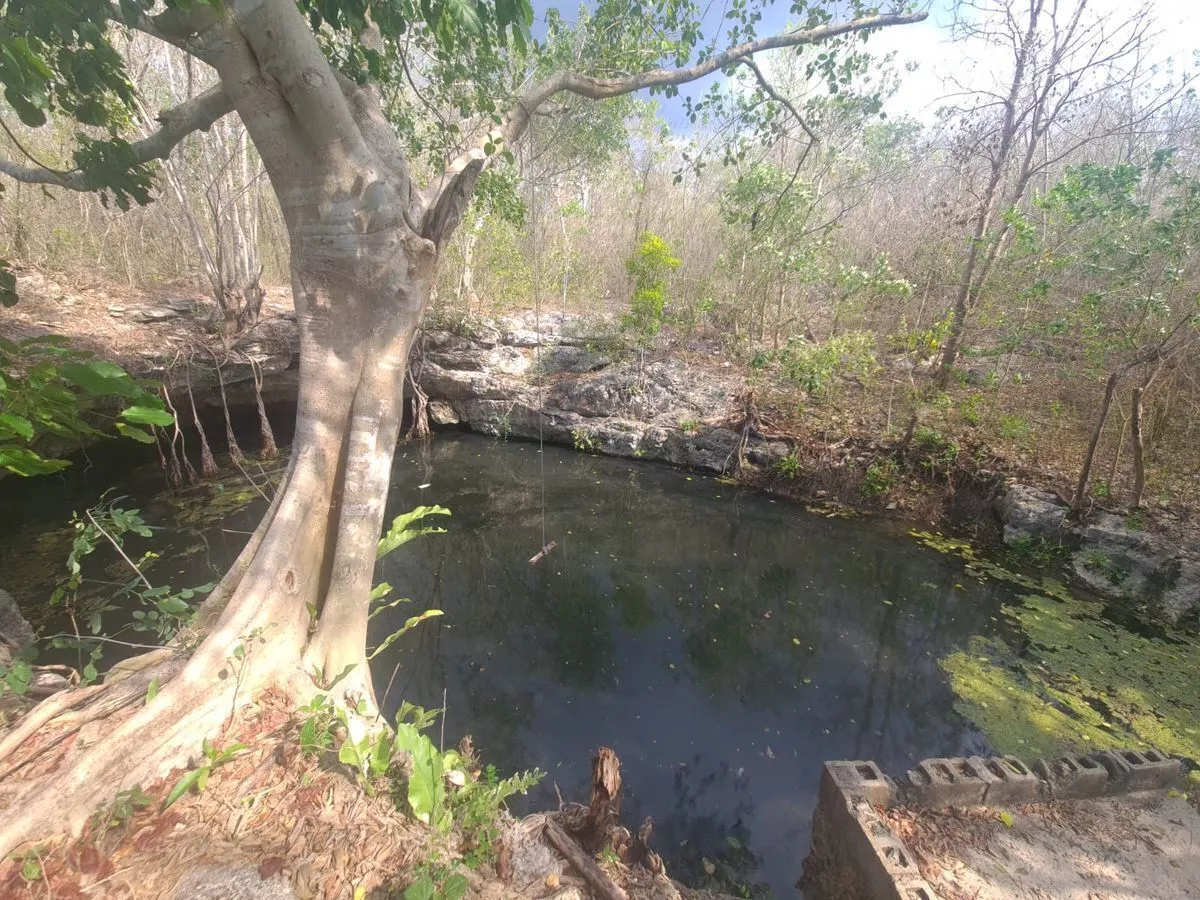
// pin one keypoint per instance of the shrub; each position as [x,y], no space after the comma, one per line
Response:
[650,266]
[814,367]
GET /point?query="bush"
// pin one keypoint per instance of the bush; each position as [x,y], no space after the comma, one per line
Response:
[650,266]
[815,367]
[879,478]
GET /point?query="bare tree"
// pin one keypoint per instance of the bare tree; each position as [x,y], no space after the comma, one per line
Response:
[1063,57]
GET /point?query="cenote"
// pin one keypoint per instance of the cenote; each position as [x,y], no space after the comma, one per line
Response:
[722,643]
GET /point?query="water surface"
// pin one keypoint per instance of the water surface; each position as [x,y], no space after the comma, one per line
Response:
[723,644]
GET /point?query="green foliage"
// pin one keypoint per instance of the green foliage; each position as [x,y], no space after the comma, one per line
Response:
[50,390]
[649,267]
[438,788]
[214,758]
[689,426]
[880,477]
[925,343]
[1037,552]
[584,440]
[451,886]
[938,452]
[971,409]
[402,529]
[162,610]
[816,367]
[123,808]
[789,466]
[1014,428]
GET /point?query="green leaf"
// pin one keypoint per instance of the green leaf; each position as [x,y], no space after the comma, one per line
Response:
[426,790]
[137,434]
[18,425]
[25,462]
[1006,818]
[349,754]
[31,869]
[18,676]
[455,887]
[402,531]
[420,890]
[408,626]
[183,786]
[101,378]
[148,415]
[152,691]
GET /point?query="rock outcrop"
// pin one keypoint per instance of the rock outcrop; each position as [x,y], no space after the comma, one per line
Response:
[1110,554]
[496,380]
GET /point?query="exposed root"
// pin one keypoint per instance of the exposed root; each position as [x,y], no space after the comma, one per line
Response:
[60,720]
[43,713]
[178,436]
[208,464]
[420,400]
[235,452]
[269,449]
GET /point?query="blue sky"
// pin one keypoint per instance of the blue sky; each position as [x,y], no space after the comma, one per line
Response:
[929,46]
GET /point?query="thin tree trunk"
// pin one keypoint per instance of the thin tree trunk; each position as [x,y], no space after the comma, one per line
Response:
[1085,471]
[1139,450]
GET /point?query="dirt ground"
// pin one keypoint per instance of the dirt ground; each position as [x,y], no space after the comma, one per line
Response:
[1140,847]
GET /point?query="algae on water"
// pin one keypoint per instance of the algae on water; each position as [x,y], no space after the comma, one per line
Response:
[1081,683]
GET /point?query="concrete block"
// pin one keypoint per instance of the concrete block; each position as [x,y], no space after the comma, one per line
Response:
[1010,782]
[937,783]
[1073,777]
[860,780]
[887,864]
[1132,770]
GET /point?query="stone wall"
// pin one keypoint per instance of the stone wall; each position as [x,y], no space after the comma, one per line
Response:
[856,856]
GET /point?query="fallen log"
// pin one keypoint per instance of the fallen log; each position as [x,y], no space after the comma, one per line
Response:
[603,886]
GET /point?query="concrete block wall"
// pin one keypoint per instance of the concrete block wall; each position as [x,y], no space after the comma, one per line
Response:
[855,856]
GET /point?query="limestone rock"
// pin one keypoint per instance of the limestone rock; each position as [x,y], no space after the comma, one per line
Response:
[1030,513]
[15,631]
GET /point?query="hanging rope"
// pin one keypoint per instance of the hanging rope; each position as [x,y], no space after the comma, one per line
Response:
[547,546]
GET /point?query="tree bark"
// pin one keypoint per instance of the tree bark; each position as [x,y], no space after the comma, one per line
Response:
[1085,471]
[1139,450]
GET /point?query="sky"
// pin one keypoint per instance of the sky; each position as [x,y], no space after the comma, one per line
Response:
[939,59]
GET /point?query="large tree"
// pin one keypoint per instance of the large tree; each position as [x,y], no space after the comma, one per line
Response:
[374,120]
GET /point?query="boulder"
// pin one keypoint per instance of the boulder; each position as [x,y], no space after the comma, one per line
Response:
[1031,513]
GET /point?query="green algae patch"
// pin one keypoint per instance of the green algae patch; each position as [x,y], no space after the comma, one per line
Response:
[1080,683]
[984,569]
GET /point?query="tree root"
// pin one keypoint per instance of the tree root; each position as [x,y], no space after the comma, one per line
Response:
[43,713]
[63,711]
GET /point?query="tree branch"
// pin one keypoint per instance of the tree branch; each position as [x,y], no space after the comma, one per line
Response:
[197,114]
[464,168]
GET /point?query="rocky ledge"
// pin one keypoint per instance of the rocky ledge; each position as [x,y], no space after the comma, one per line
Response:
[1111,554]
[496,380]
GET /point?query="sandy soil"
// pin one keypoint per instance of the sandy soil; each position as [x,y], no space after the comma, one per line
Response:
[1141,847]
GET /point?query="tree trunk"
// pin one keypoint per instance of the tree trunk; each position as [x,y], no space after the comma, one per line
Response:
[313,551]
[1085,471]
[1139,450]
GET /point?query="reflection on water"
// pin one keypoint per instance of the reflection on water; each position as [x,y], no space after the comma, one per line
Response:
[722,644]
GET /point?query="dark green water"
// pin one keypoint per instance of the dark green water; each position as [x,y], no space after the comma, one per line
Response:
[722,644]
